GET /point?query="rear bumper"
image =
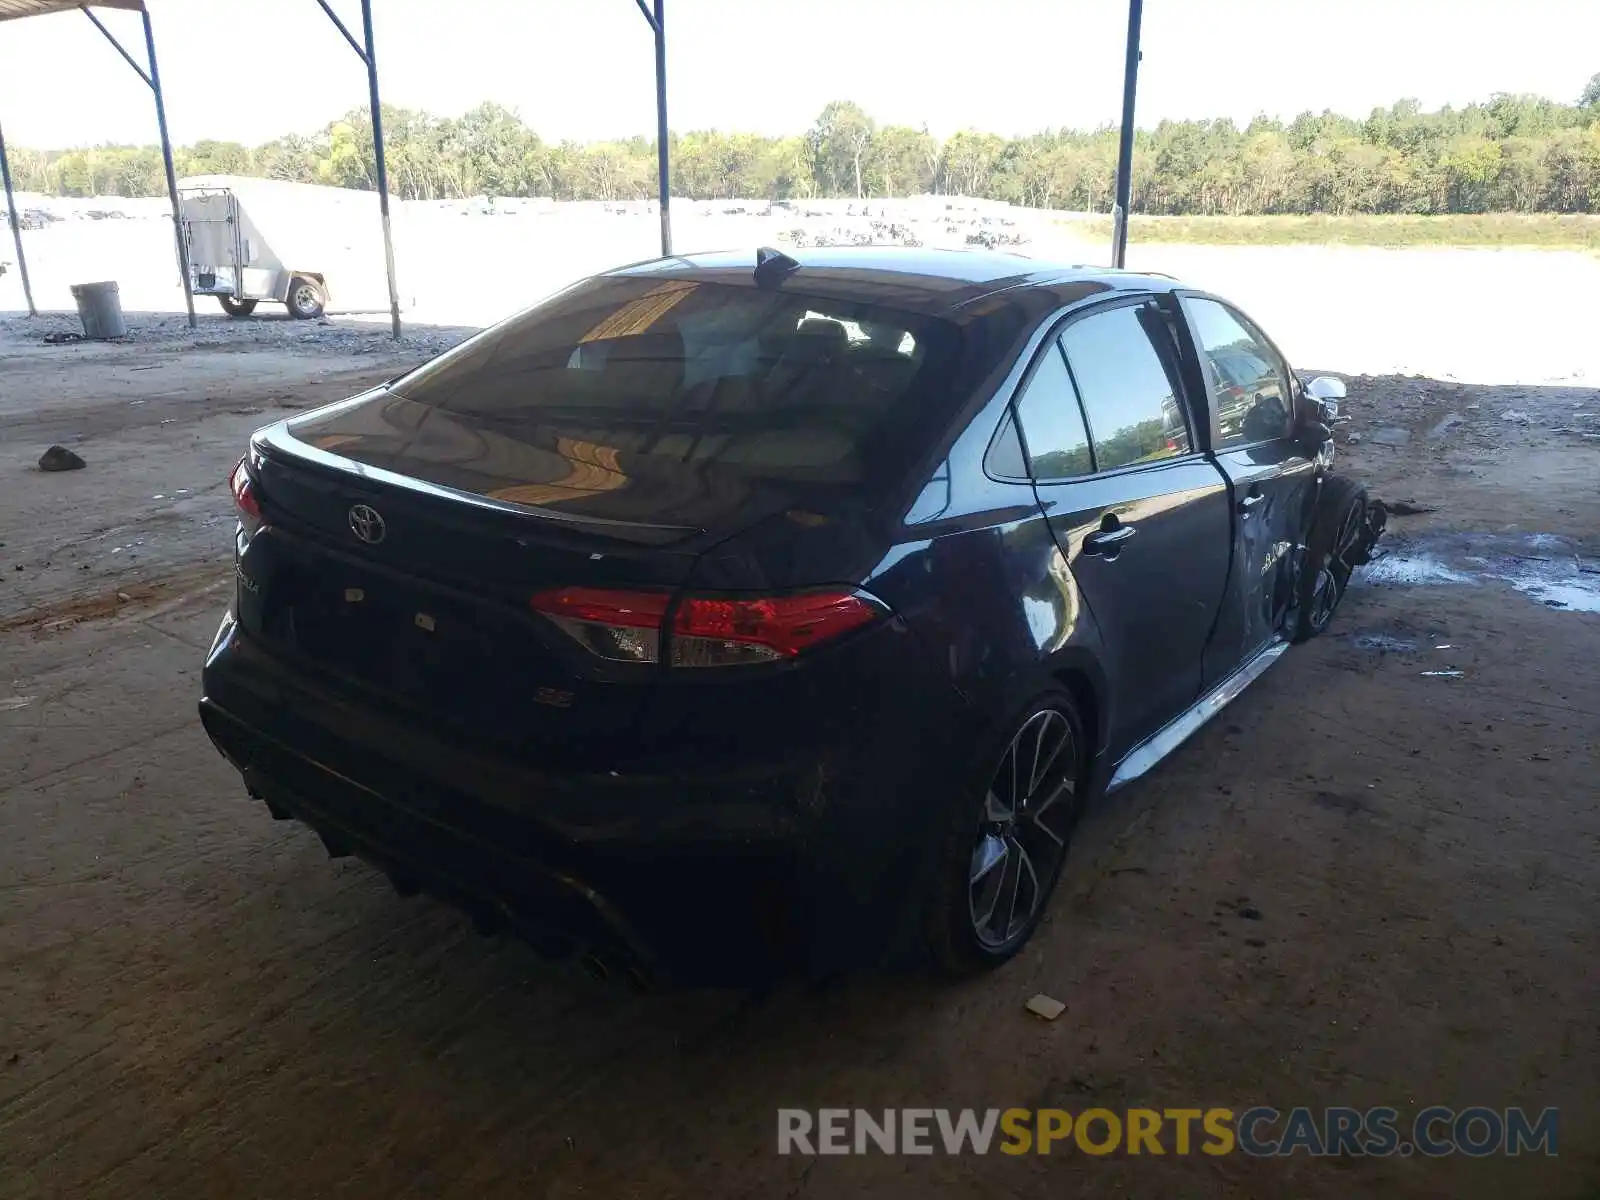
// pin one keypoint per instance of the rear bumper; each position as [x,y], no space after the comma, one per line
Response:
[715,874]
[497,887]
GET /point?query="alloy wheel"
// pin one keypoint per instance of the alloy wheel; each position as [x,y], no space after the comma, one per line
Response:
[1335,570]
[1022,833]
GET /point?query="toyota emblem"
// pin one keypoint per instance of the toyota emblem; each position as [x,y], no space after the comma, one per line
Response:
[367,524]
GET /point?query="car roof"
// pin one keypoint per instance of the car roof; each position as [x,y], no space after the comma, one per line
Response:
[919,279]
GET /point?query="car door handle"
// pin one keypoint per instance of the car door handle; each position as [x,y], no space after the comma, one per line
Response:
[1107,541]
[1250,502]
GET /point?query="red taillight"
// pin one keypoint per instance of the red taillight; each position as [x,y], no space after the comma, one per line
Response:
[717,632]
[706,631]
[244,494]
[624,626]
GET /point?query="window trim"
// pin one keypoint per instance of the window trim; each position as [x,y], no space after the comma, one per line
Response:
[1278,361]
[1008,418]
[1049,333]
[1174,376]
[1051,343]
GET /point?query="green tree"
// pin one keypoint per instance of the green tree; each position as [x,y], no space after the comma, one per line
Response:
[969,162]
[213,158]
[840,140]
[1512,152]
[899,163]
[290,158]
[1591,93]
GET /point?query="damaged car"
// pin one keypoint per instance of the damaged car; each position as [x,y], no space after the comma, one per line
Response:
[736,614]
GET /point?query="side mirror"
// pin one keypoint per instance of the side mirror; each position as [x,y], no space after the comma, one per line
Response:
[1327,392]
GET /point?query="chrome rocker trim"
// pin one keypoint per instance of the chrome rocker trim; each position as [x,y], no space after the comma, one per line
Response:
[1182,727]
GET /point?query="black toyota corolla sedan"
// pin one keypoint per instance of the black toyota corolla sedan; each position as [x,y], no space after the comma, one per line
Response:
[733,612]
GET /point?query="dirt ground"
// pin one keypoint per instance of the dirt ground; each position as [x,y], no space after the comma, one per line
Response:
[195,1002]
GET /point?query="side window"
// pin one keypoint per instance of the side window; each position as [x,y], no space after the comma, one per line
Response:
[1134,410]
[1249,387]
[1004,459]
[1052,424]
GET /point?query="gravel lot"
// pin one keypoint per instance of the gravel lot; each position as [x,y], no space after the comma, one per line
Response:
[195,1002]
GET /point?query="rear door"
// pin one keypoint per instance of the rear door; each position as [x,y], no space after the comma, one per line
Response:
[211,223]
[1251,399]
[1140,514]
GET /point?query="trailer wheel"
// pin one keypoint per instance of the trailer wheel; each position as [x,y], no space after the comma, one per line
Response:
[306,299]
[236,308]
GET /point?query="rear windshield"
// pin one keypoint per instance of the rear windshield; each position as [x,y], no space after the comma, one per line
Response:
[772,384]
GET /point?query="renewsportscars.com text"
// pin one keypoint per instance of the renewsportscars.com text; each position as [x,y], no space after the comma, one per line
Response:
[1260,1131]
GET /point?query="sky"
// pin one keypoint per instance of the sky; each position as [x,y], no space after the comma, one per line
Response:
[249,70]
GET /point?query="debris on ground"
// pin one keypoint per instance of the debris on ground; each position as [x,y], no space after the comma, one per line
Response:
[59,458]
[1046,1006]
[1384,643]
[63,336]
[1407,508]
[1250,912]
[1515,415]
[1444,674]
[1391,435]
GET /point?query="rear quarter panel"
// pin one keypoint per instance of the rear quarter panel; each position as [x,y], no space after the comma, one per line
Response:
[977,575]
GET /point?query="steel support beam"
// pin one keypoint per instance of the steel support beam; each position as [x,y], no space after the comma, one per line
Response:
[16,226]
[341,27]
[371,58]
[1130,81]
[152,80]
[368,55]
[657,19]
[166,161]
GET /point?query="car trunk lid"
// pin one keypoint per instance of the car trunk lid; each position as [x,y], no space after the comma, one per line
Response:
[422,597]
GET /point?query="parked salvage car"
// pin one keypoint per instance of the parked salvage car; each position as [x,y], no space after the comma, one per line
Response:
[726,613]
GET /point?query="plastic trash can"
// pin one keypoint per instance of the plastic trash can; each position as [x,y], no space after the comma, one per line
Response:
[100,310]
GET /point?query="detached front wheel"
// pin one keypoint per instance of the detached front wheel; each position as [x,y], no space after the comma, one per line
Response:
[1342,532]
[1007,839]
[236,308]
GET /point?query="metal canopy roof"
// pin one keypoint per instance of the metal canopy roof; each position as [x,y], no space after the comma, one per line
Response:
[12,10]
[15,10]
[150,73]
[655,17]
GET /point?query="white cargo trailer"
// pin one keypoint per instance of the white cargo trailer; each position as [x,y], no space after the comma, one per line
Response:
[313,249]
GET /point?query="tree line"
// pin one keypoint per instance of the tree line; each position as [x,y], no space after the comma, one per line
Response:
[1513,153]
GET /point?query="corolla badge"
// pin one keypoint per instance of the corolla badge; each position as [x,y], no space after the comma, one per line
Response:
[367,524]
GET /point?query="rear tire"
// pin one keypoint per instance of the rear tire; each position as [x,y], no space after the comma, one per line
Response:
[236,308]
[1334,548]
[1007,834]
[306,298]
